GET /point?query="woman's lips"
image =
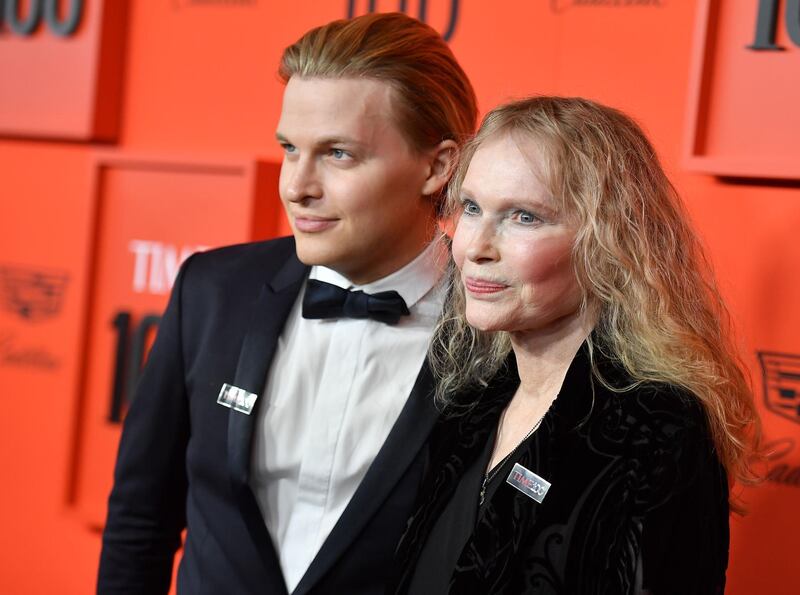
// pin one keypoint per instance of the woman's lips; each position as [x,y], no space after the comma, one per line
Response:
[483,287]
[313,224]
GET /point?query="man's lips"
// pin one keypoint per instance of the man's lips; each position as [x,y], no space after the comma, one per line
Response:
[310,224]
[482,286]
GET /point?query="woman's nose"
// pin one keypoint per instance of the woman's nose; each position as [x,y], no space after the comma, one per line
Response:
[482,245]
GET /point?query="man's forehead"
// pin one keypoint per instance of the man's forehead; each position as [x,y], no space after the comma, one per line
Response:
[338,86]
[335,107]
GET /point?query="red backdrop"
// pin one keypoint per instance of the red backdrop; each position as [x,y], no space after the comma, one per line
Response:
[123,148]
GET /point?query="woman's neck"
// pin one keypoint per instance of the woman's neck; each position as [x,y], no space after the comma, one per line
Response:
[544,355]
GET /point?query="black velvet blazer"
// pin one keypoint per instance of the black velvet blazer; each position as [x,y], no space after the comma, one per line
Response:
[638,502]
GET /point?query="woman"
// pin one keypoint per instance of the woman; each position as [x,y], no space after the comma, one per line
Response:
[597,405]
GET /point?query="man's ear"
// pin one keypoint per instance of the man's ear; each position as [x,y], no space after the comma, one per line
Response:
[442,164]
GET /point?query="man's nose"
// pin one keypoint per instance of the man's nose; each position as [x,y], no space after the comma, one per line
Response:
[302,181]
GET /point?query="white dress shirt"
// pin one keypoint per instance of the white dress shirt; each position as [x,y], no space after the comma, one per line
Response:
[334,390]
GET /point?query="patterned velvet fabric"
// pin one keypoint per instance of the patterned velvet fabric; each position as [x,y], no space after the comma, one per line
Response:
[638,503]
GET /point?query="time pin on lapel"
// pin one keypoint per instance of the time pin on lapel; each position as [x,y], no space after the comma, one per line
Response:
[527,482]
[236,398]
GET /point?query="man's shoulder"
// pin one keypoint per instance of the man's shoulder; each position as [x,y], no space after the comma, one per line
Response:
[258,254]
[242,261]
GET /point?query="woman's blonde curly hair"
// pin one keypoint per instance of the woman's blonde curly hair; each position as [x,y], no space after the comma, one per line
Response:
[640,267]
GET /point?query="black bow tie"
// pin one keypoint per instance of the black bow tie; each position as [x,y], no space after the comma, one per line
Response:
[323,300]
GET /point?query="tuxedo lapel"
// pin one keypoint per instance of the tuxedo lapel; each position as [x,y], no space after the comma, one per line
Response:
[269,314]
[267,318]
[404,442]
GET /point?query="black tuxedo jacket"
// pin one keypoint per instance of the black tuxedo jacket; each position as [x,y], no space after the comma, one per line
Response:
[638,502]
[184,460]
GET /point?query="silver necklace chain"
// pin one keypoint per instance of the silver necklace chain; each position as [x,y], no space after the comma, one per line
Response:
[492,473]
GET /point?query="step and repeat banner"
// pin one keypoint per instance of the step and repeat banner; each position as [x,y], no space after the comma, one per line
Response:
[133,134]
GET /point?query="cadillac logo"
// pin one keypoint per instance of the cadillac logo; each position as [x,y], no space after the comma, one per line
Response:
[32,294]
[781,375]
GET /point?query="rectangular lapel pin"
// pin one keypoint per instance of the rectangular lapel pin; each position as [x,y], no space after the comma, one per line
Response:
[527,482]
[236,398]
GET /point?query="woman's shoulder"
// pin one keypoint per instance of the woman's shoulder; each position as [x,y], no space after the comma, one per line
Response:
[657,402]
[660,402]
[666,429]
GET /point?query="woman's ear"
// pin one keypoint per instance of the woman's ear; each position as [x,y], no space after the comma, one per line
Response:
[442,162]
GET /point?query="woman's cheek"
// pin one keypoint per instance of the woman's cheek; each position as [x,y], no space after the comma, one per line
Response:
[459,244]
[540,259]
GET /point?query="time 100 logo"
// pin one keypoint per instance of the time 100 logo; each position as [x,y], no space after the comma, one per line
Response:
[61,17]
[767,24]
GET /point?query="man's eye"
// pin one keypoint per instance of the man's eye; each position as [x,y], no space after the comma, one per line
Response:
[288,148]
[339,154]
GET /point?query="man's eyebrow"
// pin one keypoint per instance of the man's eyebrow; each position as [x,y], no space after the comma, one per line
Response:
[325,141]
[338,140]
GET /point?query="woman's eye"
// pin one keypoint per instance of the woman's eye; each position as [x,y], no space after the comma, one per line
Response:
[470,208]
[526,217]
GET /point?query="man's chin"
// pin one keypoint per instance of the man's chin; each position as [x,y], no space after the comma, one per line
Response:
[312,255]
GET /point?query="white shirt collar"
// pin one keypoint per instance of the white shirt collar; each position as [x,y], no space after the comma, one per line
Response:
[412,282]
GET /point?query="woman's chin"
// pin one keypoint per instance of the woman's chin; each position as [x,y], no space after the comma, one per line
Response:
[487,325]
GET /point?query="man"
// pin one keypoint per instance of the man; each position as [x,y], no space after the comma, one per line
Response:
[283,413]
